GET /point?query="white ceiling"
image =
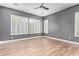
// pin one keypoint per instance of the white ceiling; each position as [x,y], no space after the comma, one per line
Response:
[29,7]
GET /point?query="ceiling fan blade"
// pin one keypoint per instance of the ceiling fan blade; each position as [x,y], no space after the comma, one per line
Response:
[42,6]
[38,7]
[46,8]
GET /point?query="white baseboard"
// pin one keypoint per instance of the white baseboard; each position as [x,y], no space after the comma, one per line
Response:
[38,37]
[19,39]
[62,40]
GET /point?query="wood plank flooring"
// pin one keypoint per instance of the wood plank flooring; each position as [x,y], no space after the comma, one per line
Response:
[39,47]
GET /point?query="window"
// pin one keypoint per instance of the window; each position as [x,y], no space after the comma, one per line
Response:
[19,25]
[34,26]
[45,26]
[76,24]
[23,25]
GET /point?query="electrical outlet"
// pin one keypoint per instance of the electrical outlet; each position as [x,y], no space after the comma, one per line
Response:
[11,37]
[70,38]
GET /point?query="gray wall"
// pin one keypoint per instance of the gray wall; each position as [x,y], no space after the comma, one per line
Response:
[0,25]
[62,24]
[5,18]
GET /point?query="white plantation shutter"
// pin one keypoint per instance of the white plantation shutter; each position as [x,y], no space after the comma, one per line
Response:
[19,25]
[45,26]
[34,26]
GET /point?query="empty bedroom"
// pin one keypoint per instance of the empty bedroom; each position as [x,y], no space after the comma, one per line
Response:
[39,29]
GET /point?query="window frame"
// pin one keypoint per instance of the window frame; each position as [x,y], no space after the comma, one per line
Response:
[20,25]
[46,26]
[28,22]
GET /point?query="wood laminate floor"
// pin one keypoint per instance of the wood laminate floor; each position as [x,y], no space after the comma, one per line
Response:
[39,47]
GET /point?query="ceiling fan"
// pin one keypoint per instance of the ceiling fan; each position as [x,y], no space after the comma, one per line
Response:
[42,6]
